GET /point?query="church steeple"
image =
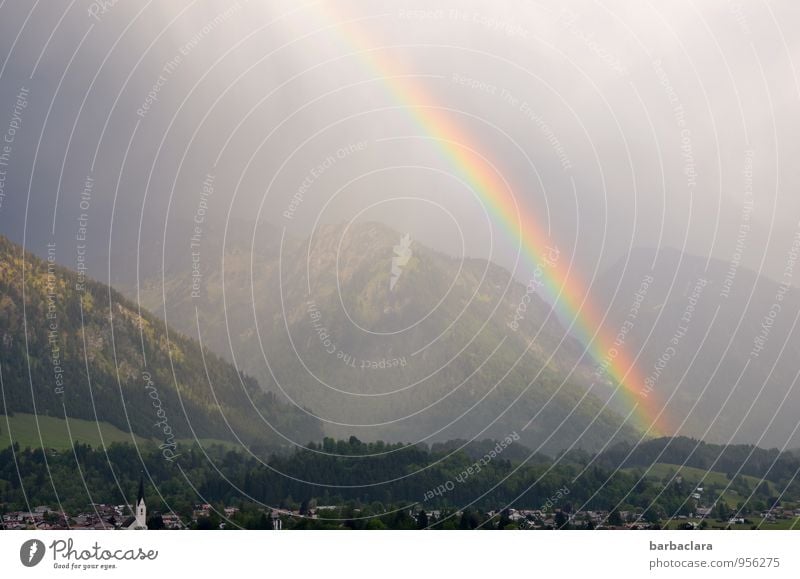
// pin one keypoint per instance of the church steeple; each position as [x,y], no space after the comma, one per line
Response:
[140,512]
[139,518]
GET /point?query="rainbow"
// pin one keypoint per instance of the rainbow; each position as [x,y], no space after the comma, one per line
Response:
[562,284]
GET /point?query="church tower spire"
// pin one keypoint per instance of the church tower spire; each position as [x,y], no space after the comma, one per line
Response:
[139,518]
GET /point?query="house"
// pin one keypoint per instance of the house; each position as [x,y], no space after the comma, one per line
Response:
[515,516]
[277,523]
[172,521]
[703,512]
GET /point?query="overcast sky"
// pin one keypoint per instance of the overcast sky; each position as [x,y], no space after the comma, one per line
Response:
[617,124]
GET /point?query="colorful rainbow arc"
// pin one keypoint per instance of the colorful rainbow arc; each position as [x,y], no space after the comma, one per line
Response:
[563,285]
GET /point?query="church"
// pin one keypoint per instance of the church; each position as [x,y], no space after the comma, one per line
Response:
[139,520]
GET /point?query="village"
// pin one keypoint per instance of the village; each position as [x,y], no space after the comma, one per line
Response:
[117,517]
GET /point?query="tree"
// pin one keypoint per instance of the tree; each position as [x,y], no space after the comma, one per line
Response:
[422,520]
[469,520]
[652,515]
[155,522]
[504,521]
[204,524]
[561,520]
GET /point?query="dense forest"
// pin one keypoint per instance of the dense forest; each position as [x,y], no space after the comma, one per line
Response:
[377,481]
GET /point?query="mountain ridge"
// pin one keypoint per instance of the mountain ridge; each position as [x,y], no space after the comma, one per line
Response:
[435,334]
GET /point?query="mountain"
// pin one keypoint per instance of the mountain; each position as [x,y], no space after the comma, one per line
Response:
[72,347]
[716,340]
[381,336]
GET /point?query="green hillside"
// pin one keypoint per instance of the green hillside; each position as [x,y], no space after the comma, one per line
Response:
[57,433]
[717,486]
[691,475]
[60,434]
[76,347]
